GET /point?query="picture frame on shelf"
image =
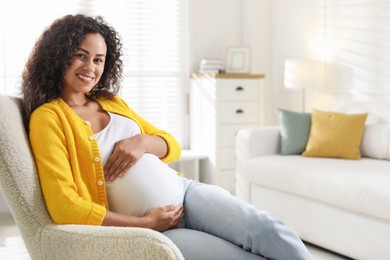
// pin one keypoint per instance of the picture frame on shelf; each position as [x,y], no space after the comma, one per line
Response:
[237,60]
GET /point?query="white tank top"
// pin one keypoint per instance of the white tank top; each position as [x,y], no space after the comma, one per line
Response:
[148,184]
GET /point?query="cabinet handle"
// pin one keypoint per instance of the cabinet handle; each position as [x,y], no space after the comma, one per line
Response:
[239,111]
[239,88]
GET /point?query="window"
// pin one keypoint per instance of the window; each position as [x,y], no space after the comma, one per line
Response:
[356,33]
[154,44]
[21,23]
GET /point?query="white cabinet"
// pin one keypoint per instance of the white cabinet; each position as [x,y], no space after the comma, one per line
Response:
[220,105]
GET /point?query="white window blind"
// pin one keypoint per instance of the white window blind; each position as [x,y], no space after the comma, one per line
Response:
[21,23]
[357,34]
[153,34]
[154,45]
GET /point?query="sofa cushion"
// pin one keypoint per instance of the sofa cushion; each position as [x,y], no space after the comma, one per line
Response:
[376,141]
[356,185]
[377,110]
[335,134]
[294,131]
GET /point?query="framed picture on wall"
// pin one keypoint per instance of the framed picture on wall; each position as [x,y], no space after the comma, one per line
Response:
[237,60]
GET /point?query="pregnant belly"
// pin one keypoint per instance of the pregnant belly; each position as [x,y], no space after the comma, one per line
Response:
[150,183]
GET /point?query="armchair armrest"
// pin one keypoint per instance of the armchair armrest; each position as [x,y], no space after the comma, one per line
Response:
[253,142]
[97,242]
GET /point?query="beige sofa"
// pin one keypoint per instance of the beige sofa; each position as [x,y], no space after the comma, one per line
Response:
[338,204]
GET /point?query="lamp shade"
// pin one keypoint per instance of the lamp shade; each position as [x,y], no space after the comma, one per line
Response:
[302,74]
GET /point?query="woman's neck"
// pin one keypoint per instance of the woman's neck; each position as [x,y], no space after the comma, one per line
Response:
[76,100]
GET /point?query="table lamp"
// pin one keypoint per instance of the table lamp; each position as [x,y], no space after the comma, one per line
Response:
[303,74]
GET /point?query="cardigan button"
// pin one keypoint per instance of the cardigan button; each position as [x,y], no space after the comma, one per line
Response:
[90,138]
[100,182]
[87,123]
[97,159]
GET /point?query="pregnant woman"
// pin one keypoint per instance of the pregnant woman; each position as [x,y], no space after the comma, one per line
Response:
[100,163]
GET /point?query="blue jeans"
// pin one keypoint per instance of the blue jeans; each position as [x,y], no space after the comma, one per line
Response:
[230,228]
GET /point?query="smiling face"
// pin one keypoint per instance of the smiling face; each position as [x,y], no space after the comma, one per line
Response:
[87,65]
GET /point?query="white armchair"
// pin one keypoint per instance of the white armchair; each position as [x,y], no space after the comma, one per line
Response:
[43,238]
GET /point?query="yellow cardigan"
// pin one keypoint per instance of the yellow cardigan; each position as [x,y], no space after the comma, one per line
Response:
[69,162]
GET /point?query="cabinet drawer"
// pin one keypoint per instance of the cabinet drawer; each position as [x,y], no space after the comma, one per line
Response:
[227,134]
[239,90]
[239,112]
[227,159]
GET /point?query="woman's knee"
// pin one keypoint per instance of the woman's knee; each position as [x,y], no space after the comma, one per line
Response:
[200,245]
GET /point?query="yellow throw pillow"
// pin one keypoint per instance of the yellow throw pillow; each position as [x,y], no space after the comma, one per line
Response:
[335,135]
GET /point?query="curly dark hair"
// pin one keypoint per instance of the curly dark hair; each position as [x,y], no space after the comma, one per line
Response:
[43,76]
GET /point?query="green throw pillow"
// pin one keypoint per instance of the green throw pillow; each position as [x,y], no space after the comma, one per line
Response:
[294,131]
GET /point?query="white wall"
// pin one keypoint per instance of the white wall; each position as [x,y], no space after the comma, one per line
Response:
[296,27]
[293,26]
[218,24]
[214,25]
[275,30]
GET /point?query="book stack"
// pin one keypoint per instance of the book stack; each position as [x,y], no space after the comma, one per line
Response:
[211,66]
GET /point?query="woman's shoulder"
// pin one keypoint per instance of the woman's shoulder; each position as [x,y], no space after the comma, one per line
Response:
[48,106]
[53,108]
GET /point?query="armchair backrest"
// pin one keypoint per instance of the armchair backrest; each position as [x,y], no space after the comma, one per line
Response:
[18,176]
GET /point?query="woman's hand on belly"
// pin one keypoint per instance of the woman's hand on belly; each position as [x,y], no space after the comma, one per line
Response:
[164,218]
[128,151]
[125,154]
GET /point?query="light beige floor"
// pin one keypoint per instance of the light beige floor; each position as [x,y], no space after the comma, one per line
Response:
[12,246]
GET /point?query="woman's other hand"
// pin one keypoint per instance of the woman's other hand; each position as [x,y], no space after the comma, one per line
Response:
[159,219]
[164,218]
